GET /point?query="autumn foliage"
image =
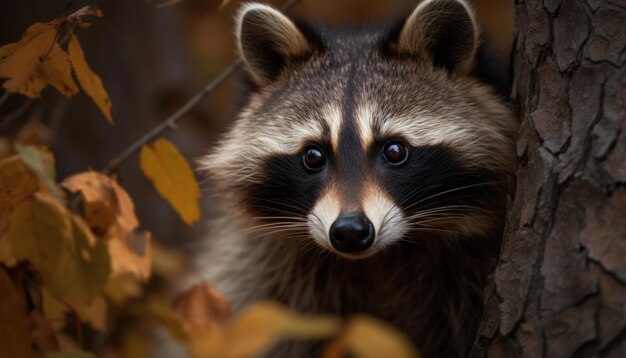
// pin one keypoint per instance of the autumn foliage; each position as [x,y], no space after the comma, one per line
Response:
[75,262]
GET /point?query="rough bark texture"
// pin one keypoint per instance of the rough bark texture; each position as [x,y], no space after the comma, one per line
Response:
[560,287]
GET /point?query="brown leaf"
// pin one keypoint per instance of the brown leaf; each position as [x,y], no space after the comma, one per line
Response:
[35,62]
[173,178]
[89,80]
[202,310]
[110,213]
[43,335]
[15,322]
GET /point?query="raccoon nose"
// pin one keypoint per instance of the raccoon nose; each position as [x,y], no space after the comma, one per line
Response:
[352,232]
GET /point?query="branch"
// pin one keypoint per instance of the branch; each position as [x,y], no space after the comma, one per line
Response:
[170,123]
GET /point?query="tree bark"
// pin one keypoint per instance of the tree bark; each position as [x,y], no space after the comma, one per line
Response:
[559,289]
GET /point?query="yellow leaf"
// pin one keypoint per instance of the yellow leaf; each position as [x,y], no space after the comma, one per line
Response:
[260,327]
[89,80]
[110,214]
[17,183]
[60,246]
[15,325]
[36,61]
[173,178]
[365,337]
[41,163]
[94,313]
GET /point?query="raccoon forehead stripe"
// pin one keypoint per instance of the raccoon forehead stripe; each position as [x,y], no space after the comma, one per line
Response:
[366,122]
[333,118]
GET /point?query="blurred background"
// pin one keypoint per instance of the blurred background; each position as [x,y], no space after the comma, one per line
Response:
[151,61]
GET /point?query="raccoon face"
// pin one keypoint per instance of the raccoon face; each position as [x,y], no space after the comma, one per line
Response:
[359,141]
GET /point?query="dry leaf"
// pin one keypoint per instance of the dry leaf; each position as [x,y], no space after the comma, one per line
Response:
[202,310]
[366,337]
[120,289]
[15,323]
[17,183]
[260,327]
[36,61]
[60,246]
[110,214]
[34,133]
[94,313]
[89,81]
[173,178]
[43,335]
[167,262]
[41,163]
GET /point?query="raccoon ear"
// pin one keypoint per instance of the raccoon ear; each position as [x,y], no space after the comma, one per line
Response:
[442,31]
[267,39]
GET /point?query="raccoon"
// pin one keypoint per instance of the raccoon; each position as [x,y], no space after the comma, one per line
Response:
[366,173]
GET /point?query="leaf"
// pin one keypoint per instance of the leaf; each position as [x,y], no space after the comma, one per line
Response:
[202,310]
[110,214]
[43,335]
[260,327]
[365,337]
[15,323]
[94,313]
[173,178]
[89,81]
[41,164]
[35,62]
[17,183]
[60,246]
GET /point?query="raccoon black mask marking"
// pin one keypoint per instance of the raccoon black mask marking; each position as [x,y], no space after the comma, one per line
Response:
[366,174]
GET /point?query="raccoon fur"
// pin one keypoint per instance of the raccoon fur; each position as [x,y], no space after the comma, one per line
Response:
[366,173]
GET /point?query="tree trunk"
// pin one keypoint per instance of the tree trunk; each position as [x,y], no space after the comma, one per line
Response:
[559,289]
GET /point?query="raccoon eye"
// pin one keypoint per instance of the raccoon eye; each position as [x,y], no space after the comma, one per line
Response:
[395,152]
[313,158]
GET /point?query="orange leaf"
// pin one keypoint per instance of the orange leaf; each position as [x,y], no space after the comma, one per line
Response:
[89,81]
[110,214]
[202,310]
[35,62]
[173,178]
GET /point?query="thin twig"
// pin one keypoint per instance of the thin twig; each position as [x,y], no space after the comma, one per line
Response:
[170,122]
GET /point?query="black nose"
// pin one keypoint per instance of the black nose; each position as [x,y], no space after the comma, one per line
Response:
[352,232]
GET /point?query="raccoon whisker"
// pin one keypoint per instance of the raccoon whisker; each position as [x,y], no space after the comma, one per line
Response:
[444,210]
[284,205]
[277,210]
[274,232]
[292,204]
[447,192]
[427,186]
[265,229]
[289,218]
